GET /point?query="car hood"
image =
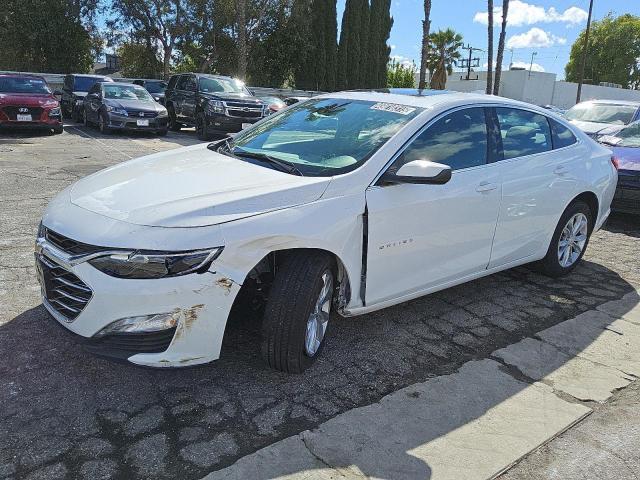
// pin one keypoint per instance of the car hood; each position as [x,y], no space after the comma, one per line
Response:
[233,96]
[592,128]
[628,157]
[28,99]
[191,187]
[151,106]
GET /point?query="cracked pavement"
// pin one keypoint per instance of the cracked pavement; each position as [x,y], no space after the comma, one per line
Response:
[67,414]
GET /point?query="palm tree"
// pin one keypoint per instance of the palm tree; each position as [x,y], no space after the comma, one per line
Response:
[443,55]
[426,25]
[490,46]
[503,30]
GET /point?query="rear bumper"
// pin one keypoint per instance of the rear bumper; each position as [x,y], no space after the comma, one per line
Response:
[627,196]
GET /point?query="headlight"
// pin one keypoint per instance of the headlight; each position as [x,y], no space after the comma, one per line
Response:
[54,112]
[154,264]
[162,113]
[215,106]
[116,110]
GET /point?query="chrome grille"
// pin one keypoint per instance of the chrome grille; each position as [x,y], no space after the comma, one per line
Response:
[70,246]
[63,291]
[244,109]
[141,114]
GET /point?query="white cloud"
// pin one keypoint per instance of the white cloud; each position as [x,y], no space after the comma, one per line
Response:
[393,47]
[535,38]
[522,13]
[536,67]
[404,61]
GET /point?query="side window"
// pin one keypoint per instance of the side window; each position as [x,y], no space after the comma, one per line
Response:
[182,81]
[190,84]
[562,136]
[172,82]
[523,132]
[68,82]
[458,140]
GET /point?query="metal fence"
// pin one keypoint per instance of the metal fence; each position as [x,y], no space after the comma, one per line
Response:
[55,80]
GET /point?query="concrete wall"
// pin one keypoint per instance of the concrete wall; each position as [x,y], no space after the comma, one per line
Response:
[540,88]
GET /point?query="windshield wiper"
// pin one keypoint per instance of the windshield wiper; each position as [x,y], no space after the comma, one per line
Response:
[283,165]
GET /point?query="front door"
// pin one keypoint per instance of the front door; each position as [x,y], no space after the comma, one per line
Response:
[423,236]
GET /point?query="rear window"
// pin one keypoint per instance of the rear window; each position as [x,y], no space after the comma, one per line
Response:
[602,113]
[562,136]
[523,132]
[23,85]
[83,84]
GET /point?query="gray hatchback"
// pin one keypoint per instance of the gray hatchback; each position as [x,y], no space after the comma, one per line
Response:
[123,106]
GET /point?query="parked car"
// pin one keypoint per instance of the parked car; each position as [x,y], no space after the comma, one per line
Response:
[293,100]
[26,100]
[274,104]
[155,87]
[212,103]
[74,89]
[123,106]
[404,196]
[603,117]
[626,152]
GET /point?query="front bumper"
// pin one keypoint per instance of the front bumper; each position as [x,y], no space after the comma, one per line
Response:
[227,124]
[627,196]
[39,120]
[201,302]
[121,122]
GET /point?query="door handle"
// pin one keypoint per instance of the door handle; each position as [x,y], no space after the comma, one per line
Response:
[561,170]
[486,187]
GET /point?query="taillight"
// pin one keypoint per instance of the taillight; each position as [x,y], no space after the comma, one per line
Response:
[615,162]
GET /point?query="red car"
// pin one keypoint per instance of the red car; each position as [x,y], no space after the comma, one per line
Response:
[27,101]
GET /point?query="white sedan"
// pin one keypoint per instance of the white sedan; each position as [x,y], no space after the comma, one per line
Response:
[349,201]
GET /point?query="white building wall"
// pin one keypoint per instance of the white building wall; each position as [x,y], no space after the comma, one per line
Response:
[540,88]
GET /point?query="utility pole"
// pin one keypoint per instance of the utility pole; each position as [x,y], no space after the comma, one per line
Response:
[584,53]
[531,64]
[470,62]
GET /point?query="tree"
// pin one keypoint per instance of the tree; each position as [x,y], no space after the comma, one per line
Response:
[424,58]
[613,55]
[380,23]
[503,32]
[163,22]
[25,45]
[139,60]
[490,47]
[400,76]
[443,55]
[352,48]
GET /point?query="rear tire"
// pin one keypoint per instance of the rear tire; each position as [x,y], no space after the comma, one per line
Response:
[58,130]
[75,114]
[202,130]
[299,301]
[569,241]
[162,132]
[103,124]
[87,123]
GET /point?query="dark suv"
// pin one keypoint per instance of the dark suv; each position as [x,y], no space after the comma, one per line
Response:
[74,89]
[212,103]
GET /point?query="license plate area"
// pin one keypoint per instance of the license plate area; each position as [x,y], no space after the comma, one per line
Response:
[142,123]
[24,117]
[246,125]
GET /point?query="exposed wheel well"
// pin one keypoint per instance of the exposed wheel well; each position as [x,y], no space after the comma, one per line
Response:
[255,288]
[591,200]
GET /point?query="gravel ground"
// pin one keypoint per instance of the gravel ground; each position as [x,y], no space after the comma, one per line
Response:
[66,414]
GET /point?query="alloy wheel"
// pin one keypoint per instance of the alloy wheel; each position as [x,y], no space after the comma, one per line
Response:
[319,318]
[572,240]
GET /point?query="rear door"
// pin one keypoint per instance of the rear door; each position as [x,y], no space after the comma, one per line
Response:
[537,182]
[178,95]
[423,236]
[189,94]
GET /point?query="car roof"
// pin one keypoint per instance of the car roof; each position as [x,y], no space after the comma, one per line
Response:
[431,98]
[632,103]
[122,84]
[22,75]
[88,75]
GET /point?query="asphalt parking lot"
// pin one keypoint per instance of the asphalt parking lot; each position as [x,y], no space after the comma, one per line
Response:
[66,414]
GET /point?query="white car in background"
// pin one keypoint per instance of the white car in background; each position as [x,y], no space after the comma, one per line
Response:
[603,117]
[353,201]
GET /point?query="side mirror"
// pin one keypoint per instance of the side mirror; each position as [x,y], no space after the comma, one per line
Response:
[421,172]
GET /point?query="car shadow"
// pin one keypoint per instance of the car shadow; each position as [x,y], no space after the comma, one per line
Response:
[185,137]
[57,398]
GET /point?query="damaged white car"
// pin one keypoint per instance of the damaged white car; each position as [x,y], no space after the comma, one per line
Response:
[349,202]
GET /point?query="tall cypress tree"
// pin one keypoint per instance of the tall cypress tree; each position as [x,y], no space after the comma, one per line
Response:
[353,58]
[303,34]
[380,29]
[330,46]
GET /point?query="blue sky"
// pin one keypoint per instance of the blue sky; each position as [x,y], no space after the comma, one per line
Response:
[550,25]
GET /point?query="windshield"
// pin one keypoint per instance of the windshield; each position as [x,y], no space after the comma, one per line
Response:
[602,113]
[126,92]
[628,136]
[155,87]
[83,84]
[221,85]
[23,85]
[328,136]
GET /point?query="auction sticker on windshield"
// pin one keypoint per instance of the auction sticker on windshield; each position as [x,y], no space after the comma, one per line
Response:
[393,107]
